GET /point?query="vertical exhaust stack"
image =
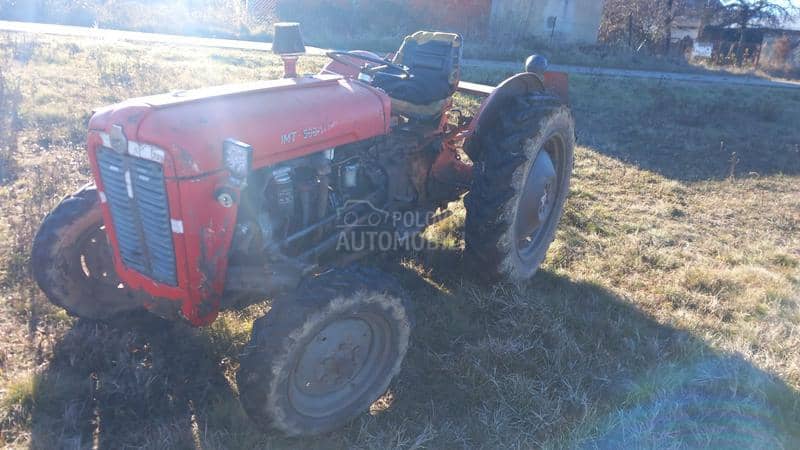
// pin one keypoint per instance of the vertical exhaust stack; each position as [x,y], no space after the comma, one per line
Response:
[288,43]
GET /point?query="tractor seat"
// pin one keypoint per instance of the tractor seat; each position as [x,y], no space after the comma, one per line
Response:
[434,61]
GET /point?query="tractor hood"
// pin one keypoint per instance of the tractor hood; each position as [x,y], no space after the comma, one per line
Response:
[281,120]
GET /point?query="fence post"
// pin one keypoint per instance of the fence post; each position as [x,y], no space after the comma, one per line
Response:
[552,22]
[630,31]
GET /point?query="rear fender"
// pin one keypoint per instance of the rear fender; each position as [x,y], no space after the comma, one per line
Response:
[519,85]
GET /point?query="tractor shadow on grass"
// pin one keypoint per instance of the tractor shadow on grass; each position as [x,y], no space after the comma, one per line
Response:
[141,382]
[133,384]
[571,361]
[489,367]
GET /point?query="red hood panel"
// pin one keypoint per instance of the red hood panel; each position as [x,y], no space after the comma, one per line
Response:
[280,119]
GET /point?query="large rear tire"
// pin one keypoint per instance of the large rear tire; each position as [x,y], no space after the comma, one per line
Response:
[325,353]
[72,263]
[520,183]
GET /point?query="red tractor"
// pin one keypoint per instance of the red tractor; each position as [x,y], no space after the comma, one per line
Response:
[217,198]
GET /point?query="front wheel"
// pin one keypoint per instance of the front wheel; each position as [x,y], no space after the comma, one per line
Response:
[325,353]
[72,263]
[520,184]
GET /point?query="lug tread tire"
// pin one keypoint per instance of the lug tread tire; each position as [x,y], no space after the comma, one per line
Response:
[264,362]
[499,177]
[57,233]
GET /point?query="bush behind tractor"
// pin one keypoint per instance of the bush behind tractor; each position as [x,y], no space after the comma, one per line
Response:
[217,198]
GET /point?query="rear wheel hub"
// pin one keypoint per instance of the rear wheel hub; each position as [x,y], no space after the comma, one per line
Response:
[537,199]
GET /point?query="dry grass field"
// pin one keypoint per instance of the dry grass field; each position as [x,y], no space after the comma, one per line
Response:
[666,315]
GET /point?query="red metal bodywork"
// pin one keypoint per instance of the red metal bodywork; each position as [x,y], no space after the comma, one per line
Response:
[280,119]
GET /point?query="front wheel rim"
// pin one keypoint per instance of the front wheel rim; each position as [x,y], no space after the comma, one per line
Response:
[94,262]
[343,361]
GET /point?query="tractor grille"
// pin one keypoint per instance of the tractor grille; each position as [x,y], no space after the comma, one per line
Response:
[137,198]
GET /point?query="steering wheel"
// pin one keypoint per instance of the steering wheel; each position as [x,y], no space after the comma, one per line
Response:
[382,64]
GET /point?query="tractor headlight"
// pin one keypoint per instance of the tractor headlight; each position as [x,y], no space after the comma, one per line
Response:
[237,158]
[117,140]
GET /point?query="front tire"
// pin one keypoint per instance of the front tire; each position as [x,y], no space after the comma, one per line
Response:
[72,263]
[521,180]
[325,353]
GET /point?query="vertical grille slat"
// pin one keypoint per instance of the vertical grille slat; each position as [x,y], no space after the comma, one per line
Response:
[141,223]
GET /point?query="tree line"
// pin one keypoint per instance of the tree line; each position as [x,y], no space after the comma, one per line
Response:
[648,24]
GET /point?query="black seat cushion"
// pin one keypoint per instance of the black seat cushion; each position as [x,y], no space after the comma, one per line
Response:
[431,64]
[417,89]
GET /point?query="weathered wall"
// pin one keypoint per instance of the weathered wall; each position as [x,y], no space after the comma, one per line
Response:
[576,20]
[463,16]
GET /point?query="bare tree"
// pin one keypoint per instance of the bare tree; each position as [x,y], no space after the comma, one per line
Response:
[746,14]
[637,22]
[646,23]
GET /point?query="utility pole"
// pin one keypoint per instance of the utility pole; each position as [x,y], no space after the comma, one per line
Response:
[551,21]
[668,27]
